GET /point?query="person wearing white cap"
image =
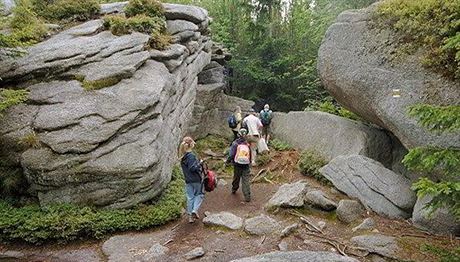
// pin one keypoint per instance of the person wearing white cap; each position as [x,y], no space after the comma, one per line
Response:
[253,124]
[266,116]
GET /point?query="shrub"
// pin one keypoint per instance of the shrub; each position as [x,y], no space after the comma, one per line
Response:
[431,24]
[101,83]
[443,254]
[279,145]
[66,222]
[160,41]
[55,10]
[26,27]
[12,182]
[309,164]
[151,8]
[30,140]
[9,98]
[120,25]
[335,109]
[437,118]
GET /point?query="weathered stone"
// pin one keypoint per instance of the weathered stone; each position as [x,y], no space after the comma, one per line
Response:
[261,225]
[155,252]
[195,253]
[317,198]
[289,195]
[283,245]
[113,147]
[7,7]
[321,225]
[331,135]
[224,219]
[356,67]
[177,26]
[183,36]
[10,254]
[316,256]
[367,224]
[212,76]
[289,230]
[439,222]
[185,12]
[173,51]
[377,187]
[111,8]
[221,182]
[349,211]
[379,244]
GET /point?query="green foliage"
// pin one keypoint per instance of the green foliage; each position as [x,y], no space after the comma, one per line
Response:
[309,164]
[12,181]
[434,160]
[443,254]
[26,27]
[151,8]
[67,222]
[215,143]
[445,194]
[9,98]
[30,140]
[437,118]
[160,41]
[275,46]
[120,25]
[279,145]
[335,109]
[431,24]
[73,10]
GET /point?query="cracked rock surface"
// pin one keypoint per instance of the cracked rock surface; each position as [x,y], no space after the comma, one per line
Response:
[112,147]
[377,187]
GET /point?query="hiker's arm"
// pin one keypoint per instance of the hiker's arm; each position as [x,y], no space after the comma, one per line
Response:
[231,154]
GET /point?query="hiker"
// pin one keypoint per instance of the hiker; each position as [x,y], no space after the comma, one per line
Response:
[191,168]
[266,116]
[237,118]
[253,124]
[240,157]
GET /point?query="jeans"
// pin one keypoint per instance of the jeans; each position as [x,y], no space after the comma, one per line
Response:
[243,173]
[195,197]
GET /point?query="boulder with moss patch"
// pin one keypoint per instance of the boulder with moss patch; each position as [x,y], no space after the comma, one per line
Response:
[357,66]
[107,113]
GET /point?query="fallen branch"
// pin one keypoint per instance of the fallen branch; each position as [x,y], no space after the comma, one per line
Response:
[167,242]
[263,240]
[305,220]
[268,180]
[337,244]
[258,174]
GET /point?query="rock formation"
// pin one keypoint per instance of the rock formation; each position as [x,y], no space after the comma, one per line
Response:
[332,136]
[355,66]
[115,146]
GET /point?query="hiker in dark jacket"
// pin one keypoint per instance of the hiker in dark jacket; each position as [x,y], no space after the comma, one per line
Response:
[191,168]
[240,157]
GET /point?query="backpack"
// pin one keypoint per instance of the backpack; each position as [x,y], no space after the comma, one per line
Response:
[209,178]
[243,154]
[232,123]
[265,118]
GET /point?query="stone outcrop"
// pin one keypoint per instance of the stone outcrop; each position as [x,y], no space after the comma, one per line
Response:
[317,198]
[438,222]
[213,106]
[356,66]
[261,225]
[331,135]
[379,244]
[112,147]
[377,187]
[289,195]
[348,211]
[224,219]
[316,256]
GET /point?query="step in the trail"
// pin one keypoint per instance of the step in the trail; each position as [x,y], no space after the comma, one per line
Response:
[224,219]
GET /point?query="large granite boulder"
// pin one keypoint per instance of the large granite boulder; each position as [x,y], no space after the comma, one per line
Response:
[356,68]
[112,147]
[331,135]
[438,222]
[289,195]
[377,187]
[313,256]
[6,6]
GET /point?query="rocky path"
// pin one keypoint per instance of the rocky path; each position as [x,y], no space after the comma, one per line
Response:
[263,231]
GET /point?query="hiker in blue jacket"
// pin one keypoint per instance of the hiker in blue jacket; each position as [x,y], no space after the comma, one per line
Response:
[191,168]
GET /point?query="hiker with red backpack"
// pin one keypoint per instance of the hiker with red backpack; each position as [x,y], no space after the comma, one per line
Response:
[240,157]
[192,170]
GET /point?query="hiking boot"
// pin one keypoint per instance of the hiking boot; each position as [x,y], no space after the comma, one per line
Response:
[191,219]
[195,216]
[247,200]
[233,192]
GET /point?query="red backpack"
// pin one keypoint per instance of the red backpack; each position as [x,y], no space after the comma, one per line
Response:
[209,178]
